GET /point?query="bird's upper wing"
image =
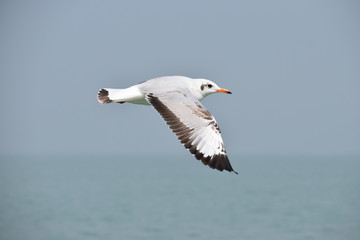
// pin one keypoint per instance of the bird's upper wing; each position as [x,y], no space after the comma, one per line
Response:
[194,126]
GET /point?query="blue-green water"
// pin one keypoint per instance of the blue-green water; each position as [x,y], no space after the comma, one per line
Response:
[172,198]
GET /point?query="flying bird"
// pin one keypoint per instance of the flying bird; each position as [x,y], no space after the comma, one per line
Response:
[177,99]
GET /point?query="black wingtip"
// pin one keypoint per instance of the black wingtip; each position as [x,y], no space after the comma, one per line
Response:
[103,96]
[219,162]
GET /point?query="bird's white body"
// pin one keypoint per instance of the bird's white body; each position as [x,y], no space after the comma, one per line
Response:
[136,94]
[177,99]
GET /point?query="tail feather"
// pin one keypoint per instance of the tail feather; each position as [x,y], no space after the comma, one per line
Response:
[113,95]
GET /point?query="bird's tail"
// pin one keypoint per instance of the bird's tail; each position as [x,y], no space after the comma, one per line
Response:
[131,94]
[109,95]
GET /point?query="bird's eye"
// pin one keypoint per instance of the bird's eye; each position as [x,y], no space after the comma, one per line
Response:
[210,85]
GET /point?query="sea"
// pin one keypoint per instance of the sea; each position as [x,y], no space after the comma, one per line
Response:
[177,197]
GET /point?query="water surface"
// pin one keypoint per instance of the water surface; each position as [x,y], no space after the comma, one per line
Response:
[158,198]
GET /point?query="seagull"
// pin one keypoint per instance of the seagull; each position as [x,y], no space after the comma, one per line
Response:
[177,99]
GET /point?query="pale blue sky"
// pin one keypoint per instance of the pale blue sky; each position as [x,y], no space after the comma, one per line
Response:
[293,68]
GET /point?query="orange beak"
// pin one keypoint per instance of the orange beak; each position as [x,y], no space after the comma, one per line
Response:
[223,90]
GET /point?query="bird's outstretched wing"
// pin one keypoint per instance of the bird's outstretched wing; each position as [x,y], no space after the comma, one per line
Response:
[194,126]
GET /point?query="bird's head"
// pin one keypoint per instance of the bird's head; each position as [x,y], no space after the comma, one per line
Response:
[206,87]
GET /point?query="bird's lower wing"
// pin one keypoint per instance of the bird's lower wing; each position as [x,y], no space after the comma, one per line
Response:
[194,126]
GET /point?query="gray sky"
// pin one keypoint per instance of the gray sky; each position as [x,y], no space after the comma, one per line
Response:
[293,68]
